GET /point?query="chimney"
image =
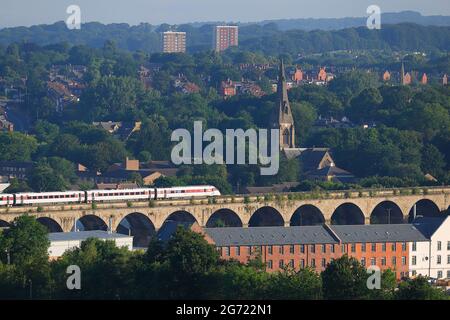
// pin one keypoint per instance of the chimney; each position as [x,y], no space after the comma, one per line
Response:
[131,165]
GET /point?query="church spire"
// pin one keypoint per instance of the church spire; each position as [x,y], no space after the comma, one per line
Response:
[283,119]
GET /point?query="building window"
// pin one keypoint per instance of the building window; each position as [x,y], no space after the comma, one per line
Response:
[302,263]
[448,245]
[439,245]
[291,249]
[414,260]
[403,260]
[394,261]
[448,259]
[281,249]
[374,247]
[403,246]
[249,250]
[373,261]
[383,261]
[281,264]
[363,247]
[270,249]
[238,251]
[313,263]
[353,247]
[291,263]
[332,248]
[324,248]
[363,262]
[394,247]
[343,248]
[414,246]
[302,248]
[439,274]
[439,259]
[448,274]
[413,273]
[383,247]
[313,249]
[324,263]
[269,264]
[227,251]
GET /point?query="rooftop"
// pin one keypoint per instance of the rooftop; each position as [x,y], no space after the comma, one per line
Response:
[83,235]
[270,235]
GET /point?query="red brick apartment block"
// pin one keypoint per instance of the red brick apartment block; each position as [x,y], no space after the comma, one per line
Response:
[386,246]
[225,37]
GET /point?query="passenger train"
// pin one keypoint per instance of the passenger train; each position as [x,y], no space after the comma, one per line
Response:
[30,198]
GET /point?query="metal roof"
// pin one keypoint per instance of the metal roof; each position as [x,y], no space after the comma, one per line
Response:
[270,235]
[378,233]
[83,235]
[428,225]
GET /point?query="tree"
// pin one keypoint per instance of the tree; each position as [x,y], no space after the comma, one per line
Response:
[106,271]
[344,279]
[419,289]
[27,245]
[16,146]
[304,284]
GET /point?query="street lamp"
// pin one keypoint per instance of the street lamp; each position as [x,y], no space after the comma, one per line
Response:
[389,215]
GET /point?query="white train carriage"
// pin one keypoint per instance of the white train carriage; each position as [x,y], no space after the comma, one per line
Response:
[6,199]
[117,195]
[187,192]
[49,197]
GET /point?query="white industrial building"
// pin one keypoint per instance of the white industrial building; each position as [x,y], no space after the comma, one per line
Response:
[60,242]
[431,258]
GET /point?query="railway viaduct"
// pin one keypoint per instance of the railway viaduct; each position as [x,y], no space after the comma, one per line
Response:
[143,219]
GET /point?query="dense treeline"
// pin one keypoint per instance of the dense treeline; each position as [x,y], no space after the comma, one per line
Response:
[259,38]
[409,134]
[186,267]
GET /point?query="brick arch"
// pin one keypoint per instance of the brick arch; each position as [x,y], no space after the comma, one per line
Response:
[227,216]
[307,214]
[91,222]
[139,226]
[386,212]
[348,213]
[51,224]
[181,216]
[266,216]
[4,224]
[424,207]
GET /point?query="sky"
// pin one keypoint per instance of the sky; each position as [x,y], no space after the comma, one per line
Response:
[30,12]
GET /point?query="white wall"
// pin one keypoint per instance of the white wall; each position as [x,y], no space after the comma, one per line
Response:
[57,248]
[427,254]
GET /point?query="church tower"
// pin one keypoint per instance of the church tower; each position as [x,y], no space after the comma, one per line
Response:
[282,118]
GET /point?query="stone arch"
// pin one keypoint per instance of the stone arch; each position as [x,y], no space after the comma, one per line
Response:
[181,216]
[266,216]
[425,208]
[4,224]
[307,215]
[224,217]
[139,226]
[50,224]
[91,222]
[347,213]
[386,212]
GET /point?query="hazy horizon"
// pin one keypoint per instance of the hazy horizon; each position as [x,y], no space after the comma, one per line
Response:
[23,13]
